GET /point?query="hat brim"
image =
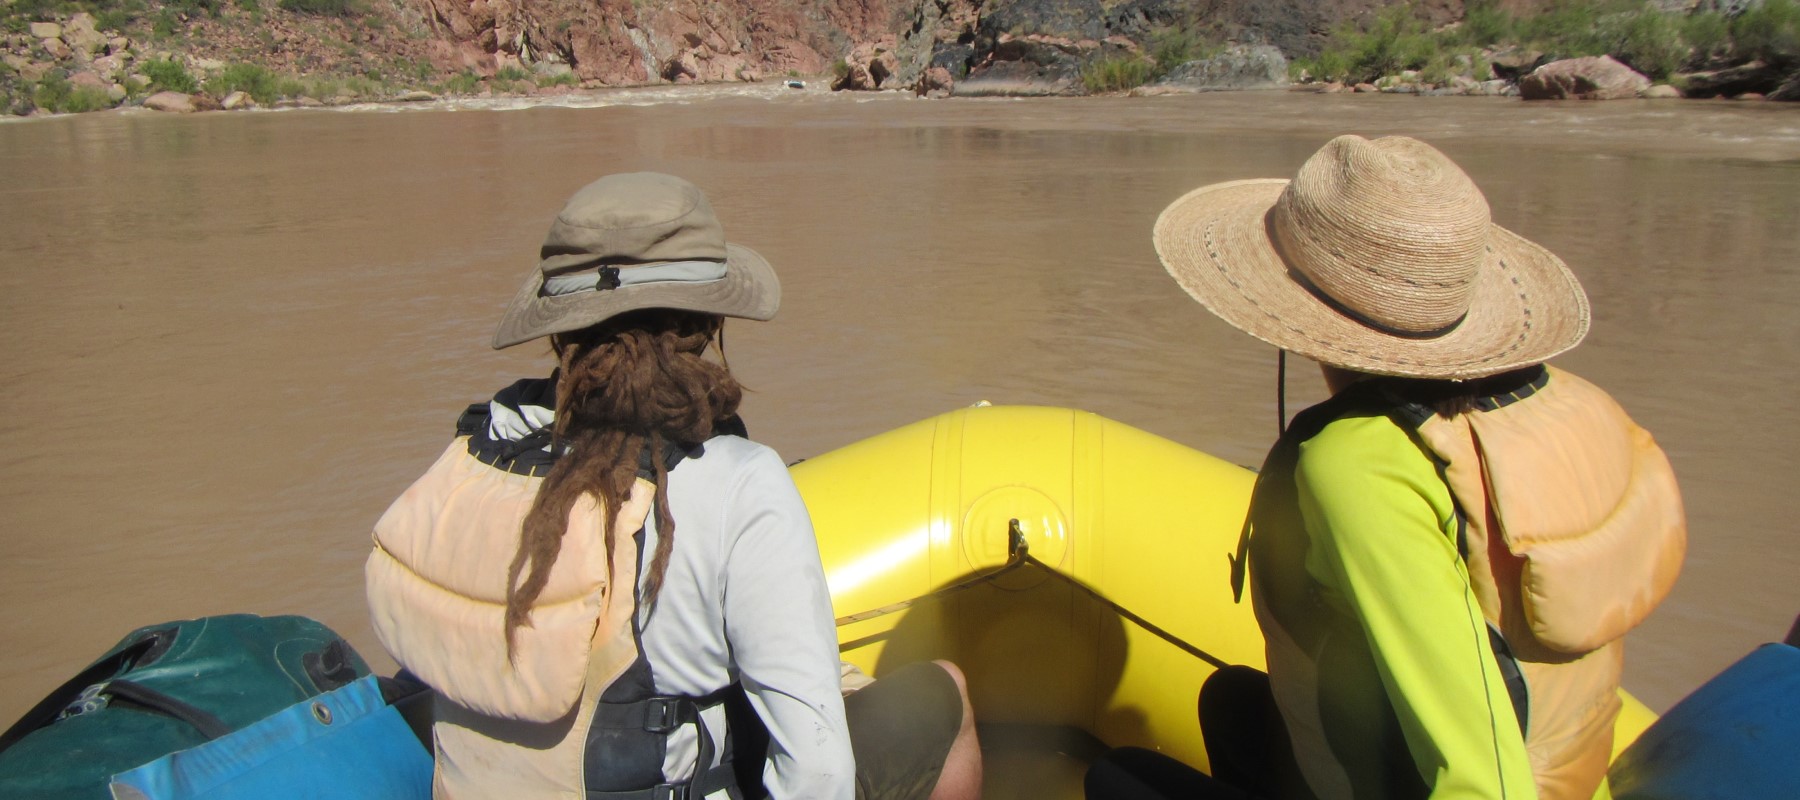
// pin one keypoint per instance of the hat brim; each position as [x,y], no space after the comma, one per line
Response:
[749,290]
[1526,305]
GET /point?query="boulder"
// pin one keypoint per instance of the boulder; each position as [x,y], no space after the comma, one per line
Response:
[81,35]
[1495,88]
[237,100]
[1753,76]
[88,80]
[1591,78]
[856,78]
[118,44]
[1239,67]
[934,83]
[1036,65]
[680,69]
[172,102]
[107,65]
[1661,91]
[116,93]
[45,30]
[56,48]
[1748,96]
[417,96]
[1789,90]
[1513,63]
[869,66]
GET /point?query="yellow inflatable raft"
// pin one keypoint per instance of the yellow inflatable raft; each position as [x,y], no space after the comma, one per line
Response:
[1076,568]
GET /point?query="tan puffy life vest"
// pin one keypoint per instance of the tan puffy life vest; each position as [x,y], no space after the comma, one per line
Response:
[437,586]
[1575,531]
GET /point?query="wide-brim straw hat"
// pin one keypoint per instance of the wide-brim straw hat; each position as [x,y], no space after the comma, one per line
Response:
[636,241]
[1380,257]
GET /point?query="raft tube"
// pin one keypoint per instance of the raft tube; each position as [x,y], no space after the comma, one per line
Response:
[1078,569]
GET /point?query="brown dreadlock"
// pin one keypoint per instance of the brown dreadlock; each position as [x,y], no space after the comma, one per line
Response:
[631,383]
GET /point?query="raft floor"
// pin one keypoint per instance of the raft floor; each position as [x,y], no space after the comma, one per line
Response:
[1034,762]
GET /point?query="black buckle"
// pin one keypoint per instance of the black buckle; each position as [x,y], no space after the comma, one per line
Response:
[662,714]
[669,791]
[609,278]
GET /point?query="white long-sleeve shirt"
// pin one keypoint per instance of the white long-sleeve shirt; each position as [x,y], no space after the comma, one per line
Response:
[744,598]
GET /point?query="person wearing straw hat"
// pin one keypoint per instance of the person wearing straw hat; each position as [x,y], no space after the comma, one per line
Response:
[613,593]
[1445,555]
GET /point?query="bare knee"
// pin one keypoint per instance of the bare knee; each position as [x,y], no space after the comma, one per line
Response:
[961,776]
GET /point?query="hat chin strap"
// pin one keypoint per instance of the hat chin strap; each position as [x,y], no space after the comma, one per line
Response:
[1280,393]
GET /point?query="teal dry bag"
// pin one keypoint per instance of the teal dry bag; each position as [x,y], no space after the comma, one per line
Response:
[218,707]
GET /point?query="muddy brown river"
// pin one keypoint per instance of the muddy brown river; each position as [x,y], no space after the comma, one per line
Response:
[232,339]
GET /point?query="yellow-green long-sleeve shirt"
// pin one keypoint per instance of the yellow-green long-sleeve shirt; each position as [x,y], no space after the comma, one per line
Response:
[1379,655]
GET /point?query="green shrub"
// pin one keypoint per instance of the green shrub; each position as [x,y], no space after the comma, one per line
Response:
[1438,70]
[86,98]
[1484,24]
[257,81]
[1116,73]
[120,16]
[1172,47]
[565,79]
[1648,41]
[53,92]
[320,8]
[1332,64]
[166,23]
[1395,40]
[511,73]
[1770,32]
[418,71]
[1708,32]
[463,83]
[1568,29]
[169,76]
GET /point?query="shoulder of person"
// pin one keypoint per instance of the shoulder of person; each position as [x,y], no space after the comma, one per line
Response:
[1355,440]
[740,452]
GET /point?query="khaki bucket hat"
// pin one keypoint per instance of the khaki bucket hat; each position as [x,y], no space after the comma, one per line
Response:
[635,241]
[1379,256]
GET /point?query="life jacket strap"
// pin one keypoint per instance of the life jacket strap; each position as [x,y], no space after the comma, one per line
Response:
[662,714]
[707,782]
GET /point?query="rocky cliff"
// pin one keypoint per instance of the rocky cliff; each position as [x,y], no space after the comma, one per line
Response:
[125,50]
[622,42]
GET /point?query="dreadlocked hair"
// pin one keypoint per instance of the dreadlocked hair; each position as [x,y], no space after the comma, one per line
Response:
[626,386]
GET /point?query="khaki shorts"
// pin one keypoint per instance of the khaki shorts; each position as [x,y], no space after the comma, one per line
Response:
[901,729]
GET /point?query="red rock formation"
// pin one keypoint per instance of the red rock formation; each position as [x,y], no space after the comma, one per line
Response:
[617,42]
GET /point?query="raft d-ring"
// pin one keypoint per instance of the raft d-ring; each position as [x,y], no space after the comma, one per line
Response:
[321,713]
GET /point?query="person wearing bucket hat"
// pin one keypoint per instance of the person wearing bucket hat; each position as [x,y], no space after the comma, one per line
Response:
[1445,555]
[611,590]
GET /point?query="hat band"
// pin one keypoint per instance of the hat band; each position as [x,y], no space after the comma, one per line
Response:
[608,277]
[1325,297]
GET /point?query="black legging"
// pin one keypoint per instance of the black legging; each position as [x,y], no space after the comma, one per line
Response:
[1245,741]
